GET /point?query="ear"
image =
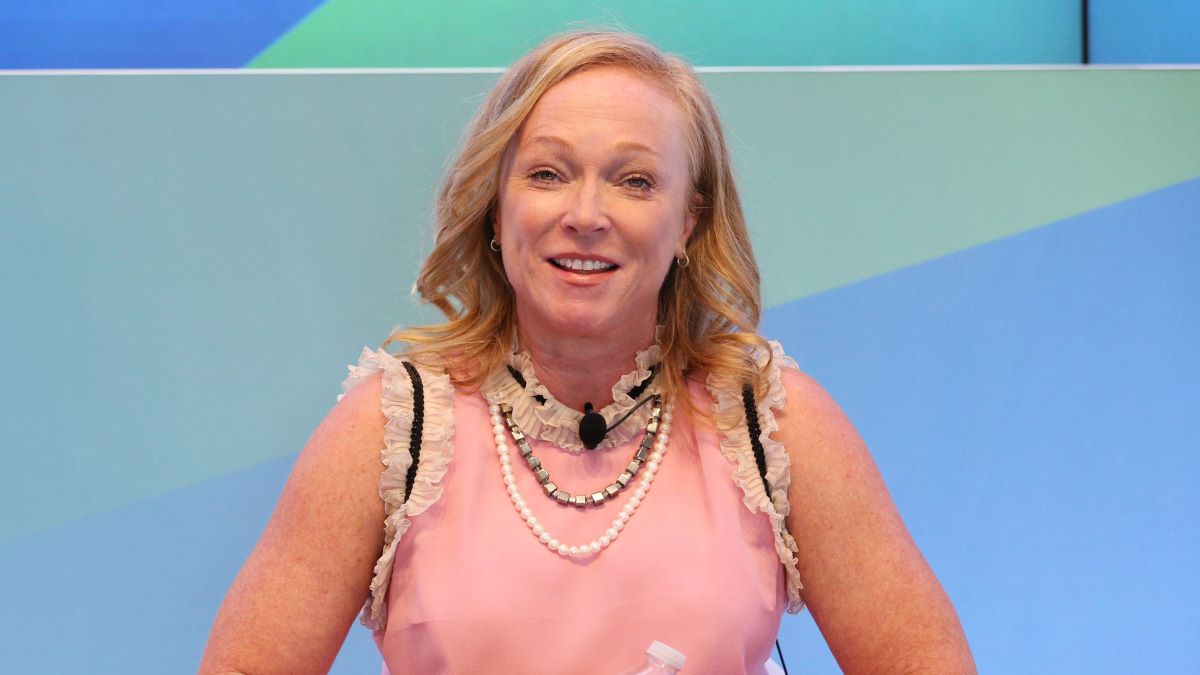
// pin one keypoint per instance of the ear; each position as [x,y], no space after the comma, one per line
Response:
[689,222]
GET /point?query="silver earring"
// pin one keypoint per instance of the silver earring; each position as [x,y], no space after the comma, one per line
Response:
[494,246]
[683,260]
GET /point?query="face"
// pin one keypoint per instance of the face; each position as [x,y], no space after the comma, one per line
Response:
[595,203]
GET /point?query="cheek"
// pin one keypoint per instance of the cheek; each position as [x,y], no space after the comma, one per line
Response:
[523,220]
[661,236]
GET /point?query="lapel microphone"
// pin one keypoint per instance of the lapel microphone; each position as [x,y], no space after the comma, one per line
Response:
[593,428]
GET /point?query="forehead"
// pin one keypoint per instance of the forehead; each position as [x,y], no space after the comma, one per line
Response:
[612,104]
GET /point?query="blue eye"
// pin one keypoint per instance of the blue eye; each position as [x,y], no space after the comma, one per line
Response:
[639,182]
[544,176]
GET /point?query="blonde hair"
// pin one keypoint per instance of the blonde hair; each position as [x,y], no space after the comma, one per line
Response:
[709,311]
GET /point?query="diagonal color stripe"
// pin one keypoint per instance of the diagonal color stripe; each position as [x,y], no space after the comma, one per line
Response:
[778,32]
[852,176]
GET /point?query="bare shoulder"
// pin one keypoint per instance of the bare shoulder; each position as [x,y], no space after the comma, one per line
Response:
[812,418]
[871,592]
[318,550]
[342,457]
[353,429]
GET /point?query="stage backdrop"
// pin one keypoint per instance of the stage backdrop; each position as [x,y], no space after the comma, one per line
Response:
[993,271]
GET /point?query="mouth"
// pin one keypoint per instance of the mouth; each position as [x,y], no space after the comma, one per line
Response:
[583,265]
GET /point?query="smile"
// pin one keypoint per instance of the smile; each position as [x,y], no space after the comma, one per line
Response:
[582,265]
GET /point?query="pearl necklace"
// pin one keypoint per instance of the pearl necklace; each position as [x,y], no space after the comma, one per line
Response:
[614,530]
[598,497]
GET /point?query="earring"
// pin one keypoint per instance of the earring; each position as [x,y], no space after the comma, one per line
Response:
[683,260]
[494,246]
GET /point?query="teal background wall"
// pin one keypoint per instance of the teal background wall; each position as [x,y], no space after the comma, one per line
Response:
[993,271]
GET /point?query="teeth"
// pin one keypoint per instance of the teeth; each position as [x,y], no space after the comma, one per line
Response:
[583,265]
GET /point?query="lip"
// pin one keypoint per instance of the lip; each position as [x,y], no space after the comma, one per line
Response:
[581,278]
[583,256]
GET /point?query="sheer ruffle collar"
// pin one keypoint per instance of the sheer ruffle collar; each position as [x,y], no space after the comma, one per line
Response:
[556,423]
[437,449]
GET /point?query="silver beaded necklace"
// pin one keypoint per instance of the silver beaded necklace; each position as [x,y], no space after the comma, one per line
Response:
[600,496]
[651,451]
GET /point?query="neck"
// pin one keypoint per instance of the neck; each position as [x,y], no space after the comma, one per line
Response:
[583,369]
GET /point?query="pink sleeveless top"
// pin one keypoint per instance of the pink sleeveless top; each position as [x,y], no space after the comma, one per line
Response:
[463,585]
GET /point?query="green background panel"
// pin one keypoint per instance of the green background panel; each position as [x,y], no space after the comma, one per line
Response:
[377,33]
[188,261]
[856,174]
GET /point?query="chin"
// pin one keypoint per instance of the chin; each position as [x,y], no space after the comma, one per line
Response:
[587,322]
[585,325]
[591,317]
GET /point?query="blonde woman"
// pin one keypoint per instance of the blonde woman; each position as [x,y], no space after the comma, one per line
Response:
[596,449]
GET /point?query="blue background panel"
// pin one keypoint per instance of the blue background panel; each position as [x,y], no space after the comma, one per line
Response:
[135,589]
[142,33]
[1032,405]
[1137,31]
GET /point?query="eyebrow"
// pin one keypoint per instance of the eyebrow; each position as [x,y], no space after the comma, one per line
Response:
[633,146]
[550,140]
[623,146]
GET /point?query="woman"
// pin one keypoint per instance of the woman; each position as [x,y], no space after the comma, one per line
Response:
[591,256]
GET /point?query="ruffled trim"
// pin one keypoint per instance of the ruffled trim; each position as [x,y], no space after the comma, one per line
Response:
[556,423]
[735,445]
[437,438]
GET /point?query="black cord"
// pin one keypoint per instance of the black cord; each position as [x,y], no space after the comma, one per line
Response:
[593,428]
[624,417]
[782,663]
[633,393]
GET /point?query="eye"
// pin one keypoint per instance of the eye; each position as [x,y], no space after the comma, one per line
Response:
[640,183]
[543,176]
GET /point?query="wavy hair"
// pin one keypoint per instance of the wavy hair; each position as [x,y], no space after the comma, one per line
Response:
[709,310]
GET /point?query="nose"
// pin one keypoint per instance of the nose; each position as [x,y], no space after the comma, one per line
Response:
[585,211]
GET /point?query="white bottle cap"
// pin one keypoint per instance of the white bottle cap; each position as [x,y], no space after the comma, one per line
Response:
[667,654]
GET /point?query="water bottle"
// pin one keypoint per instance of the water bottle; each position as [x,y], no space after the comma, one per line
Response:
[661,659]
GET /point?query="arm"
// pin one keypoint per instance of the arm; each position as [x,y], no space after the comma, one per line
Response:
[870,591]
[295,598]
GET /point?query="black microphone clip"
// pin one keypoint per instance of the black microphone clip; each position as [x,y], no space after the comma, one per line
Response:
[592,427]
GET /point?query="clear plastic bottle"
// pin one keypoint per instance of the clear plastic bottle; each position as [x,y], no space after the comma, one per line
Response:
[661,659]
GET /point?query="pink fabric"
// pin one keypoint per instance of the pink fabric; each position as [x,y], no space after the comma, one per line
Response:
[473,591]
